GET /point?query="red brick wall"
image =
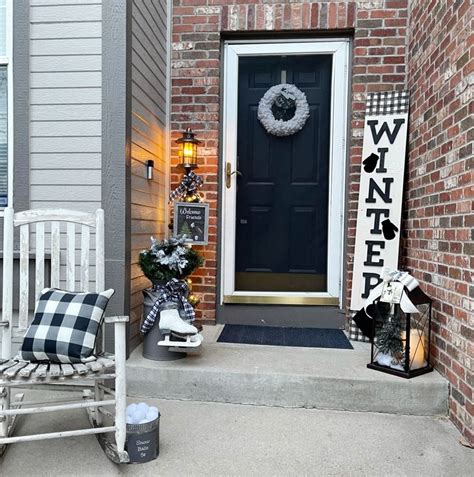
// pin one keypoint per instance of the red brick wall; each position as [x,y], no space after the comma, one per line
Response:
[439,217]
[378,28]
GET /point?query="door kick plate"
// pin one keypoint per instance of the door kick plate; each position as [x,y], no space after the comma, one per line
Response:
[281,300]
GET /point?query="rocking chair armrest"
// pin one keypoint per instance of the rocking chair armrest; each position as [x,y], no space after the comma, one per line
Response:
[116,319]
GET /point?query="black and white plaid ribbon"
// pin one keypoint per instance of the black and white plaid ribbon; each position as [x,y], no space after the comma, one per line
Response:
[387,102]
[190,183]
[176,291]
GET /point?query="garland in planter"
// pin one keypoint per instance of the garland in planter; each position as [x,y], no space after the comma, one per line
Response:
[169,258]
[286,98]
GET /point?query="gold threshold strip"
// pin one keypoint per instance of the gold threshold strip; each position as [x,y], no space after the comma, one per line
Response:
[280,300]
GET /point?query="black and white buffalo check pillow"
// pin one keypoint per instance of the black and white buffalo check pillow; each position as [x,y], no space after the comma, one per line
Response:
[65,326]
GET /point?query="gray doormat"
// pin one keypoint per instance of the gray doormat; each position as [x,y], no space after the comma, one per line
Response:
[270,335]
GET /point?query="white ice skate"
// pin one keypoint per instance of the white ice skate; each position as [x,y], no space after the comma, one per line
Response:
[176,332]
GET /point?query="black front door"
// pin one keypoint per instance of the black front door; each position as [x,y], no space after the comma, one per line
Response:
[282,192]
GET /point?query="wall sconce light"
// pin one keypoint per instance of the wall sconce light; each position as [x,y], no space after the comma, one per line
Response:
[188,150]
[149,169]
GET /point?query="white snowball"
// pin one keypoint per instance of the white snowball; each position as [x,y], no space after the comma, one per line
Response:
[143,406]
[131,408]
[129,420]
[154,409]
[138,415]
[143,421]
[151,415]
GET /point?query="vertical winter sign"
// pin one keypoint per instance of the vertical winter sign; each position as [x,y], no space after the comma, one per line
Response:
[381,188]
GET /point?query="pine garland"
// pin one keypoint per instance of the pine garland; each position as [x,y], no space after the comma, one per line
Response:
[167,259]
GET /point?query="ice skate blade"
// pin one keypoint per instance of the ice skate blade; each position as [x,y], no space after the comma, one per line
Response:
[172,343]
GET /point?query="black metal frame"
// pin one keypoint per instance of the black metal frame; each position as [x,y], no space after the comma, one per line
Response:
[406,373]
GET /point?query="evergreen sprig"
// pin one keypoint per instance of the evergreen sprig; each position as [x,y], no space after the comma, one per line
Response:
[389,338]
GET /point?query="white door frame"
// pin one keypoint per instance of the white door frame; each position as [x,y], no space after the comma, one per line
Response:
[339,49]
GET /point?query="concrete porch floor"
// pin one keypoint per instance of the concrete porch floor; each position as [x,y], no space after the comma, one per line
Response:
[287,377]
[213,439]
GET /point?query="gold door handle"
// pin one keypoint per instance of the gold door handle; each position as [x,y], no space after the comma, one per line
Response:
[228,174]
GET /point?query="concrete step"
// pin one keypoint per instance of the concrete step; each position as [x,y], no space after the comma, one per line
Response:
[287,377]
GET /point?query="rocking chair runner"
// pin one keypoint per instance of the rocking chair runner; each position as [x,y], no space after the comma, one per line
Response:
[91,375]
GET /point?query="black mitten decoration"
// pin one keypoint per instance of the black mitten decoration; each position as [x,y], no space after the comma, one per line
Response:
[389,229]
[370,162]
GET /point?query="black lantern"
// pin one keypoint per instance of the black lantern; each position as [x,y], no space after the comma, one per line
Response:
[188,150]
[401,339]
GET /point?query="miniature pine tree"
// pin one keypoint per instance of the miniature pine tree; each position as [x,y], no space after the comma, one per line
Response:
[185,230]
[389,339]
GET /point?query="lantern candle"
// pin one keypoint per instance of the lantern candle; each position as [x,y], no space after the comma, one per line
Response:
[417,349]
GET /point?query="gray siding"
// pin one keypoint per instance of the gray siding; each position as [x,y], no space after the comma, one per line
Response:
[149,138]
[65,99]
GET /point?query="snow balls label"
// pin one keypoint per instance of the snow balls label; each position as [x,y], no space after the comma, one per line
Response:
[192,220]
[381,191]
[143,447]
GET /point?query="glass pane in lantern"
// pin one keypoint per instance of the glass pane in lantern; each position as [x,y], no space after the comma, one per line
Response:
[388,343]
[419,323]
[189,153]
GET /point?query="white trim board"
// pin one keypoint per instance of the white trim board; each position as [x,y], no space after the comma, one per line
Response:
[7,61]
[339,49]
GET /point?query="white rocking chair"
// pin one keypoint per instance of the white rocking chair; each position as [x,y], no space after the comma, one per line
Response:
[92,376]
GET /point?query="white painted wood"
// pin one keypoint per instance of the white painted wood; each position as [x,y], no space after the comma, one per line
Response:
[120,384]
[80,368]
[11,372]
[64,215]
[54,370]
[41,371]
[94,366]
[7,299]
[27,370]
[8,62]
[67,370]
[55,254]
[380,198]
[24,276]
[85,249]
[71,257]
[107,363]
[56,435]
[18,373]
[58,407]
[99,252]
[338,48]
[116,319]
[39,259]
[4,406]
[67,382]
[8,364]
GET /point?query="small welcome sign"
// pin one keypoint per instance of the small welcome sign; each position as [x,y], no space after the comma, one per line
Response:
[381,189]
[192,219]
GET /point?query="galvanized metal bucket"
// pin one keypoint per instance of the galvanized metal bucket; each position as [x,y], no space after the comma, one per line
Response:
[143,441]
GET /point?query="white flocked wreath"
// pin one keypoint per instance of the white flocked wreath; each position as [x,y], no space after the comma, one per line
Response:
[279,127]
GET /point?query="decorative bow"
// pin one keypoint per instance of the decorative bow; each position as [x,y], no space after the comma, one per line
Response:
[411,296]
[391,275]
[189,183]
[176,291]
